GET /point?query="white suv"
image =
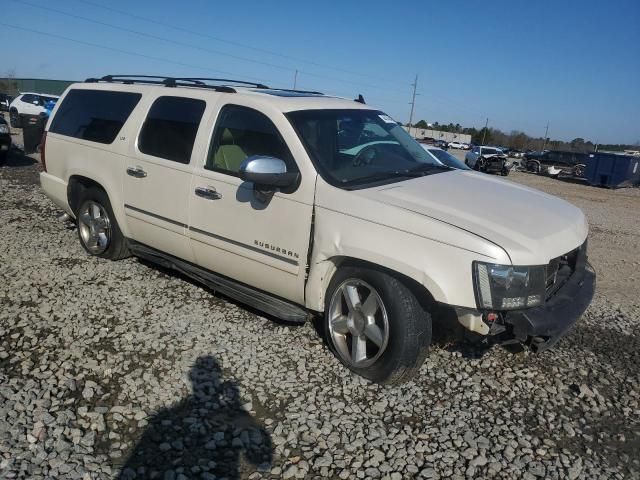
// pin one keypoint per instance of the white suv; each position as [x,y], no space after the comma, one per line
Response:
[29,103]
[301,204]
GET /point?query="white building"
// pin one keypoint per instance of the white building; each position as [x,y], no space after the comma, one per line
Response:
[422,133]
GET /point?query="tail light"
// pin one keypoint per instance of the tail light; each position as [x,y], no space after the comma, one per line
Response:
[43,143]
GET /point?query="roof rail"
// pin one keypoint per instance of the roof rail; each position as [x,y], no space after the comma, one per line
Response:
[225,80]
[226,83]
[313,92]
[173,81]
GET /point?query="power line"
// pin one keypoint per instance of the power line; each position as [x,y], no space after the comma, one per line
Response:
[231,42]
[126,52]
[197,47]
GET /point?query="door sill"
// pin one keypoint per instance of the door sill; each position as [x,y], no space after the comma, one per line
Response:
[258,299]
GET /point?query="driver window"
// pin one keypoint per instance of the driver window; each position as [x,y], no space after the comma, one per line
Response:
[242,132]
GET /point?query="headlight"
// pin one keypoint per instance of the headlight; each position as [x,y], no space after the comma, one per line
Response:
[4,128]
[508,287]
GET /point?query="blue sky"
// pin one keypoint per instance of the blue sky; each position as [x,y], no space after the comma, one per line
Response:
[575,64]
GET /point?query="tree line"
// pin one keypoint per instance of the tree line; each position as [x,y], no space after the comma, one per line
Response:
[521,141]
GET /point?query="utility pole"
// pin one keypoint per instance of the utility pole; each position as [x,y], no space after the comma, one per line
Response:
[484,132]
[413,101]
[546,132]
[295,79]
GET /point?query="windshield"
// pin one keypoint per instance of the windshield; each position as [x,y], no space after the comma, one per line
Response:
[447,159]
[353,147]
[489,151]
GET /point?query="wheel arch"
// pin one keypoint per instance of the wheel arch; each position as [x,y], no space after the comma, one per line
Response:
[326,270]
[76,186]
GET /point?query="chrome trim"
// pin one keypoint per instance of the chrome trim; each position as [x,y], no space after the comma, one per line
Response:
[244,245]
[155,215]
[217,237]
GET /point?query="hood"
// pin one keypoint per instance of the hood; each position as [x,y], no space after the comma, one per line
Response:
[531,226]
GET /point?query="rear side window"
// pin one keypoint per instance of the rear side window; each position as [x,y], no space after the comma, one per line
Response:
[94,115]
[170,128]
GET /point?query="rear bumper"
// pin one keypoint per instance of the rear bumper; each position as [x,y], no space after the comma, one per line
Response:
[543,326]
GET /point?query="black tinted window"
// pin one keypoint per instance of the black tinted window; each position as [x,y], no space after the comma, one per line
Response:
[242,132]
[94,115]
[171,127]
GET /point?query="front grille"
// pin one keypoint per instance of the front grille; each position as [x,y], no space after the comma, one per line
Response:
[560,269]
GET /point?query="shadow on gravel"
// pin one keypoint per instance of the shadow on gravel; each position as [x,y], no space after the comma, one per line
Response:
[16,158]
[209,432]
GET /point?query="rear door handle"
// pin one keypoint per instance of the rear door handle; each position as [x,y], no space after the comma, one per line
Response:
[136,172]
[208,192]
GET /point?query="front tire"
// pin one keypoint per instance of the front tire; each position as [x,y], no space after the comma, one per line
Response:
[375,325]
[98,229]
[3,158]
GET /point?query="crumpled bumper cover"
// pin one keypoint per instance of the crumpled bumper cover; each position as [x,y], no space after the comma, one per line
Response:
[543,326]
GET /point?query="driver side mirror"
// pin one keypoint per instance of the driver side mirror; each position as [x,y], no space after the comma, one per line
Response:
[267,173]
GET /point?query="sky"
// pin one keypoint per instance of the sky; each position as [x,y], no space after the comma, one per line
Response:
[574,64]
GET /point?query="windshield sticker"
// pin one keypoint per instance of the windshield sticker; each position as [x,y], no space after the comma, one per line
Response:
[387,119]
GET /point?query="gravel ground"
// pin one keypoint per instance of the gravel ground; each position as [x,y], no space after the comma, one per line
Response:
[121,369]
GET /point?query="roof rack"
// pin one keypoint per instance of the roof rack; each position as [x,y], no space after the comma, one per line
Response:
[191,82]
[175,81]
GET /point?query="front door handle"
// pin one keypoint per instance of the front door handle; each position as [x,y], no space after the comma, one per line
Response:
[136,172]
[208,192]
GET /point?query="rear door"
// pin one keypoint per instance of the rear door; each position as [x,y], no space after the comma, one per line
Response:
[158,174]
[236,232]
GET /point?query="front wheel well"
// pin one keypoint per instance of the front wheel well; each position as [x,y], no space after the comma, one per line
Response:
[421,292]
[76,187]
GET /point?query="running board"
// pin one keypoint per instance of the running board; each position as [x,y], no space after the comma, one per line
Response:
[279,308]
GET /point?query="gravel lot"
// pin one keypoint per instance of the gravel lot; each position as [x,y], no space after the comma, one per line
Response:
[121,369]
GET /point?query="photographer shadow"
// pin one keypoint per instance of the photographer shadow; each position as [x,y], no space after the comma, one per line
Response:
[208,432]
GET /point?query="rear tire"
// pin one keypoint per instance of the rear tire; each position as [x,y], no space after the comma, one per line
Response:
[98,229]
[392,356]
[14,119]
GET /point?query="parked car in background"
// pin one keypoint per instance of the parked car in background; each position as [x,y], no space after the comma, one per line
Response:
[555,162]
[441,144]
[5,139]
[5,101]
[445,157]
[488,160]
[466,146]
[457,145]
[30,104]
[513,153]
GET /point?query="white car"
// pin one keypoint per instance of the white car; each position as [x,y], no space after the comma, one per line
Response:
[488,160]
[457,145]
[301,204]
[28,103]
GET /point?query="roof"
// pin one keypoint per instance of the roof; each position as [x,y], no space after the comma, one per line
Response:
[285,100]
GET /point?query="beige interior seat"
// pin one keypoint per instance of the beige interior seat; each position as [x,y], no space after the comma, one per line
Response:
[229,154]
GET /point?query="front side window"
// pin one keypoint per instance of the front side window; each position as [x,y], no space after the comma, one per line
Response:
[353,148]
[242,132]
[170,128]
[94,115]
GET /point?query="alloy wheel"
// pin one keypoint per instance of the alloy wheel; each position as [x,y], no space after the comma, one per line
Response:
[358,323]
[95,227]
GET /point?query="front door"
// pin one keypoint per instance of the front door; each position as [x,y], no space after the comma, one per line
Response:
[262,242]
[158,175]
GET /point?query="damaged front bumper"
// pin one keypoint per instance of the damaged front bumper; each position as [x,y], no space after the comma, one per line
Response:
[538,327]
[541,327]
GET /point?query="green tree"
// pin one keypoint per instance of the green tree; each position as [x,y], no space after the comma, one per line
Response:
[422,124]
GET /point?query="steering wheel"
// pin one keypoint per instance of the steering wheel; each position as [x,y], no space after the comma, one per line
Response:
[365,156]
